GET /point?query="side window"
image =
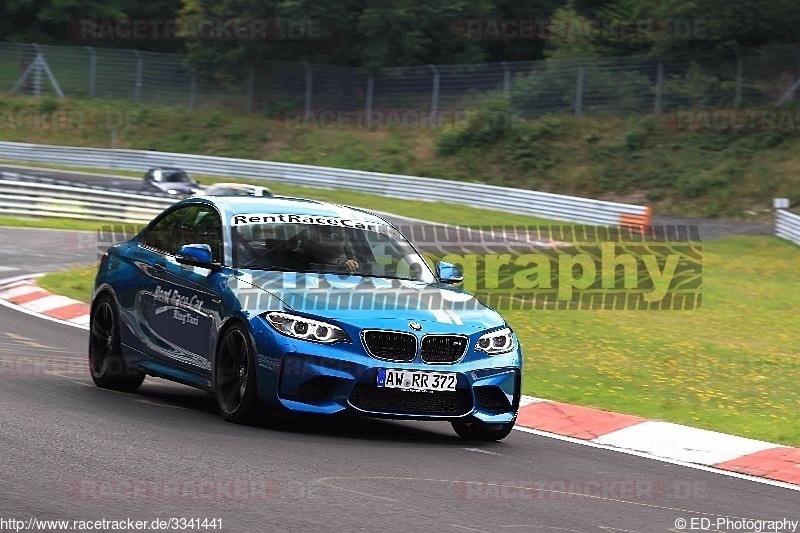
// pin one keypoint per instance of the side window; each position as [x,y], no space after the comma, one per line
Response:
[207,229]
[194,224]
[158,235]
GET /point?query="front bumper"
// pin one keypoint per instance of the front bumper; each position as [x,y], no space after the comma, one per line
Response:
[326,379]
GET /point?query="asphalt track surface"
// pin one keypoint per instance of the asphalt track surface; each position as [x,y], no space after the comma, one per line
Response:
[72,451]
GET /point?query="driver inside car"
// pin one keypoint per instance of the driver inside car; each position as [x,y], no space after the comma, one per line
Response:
[330,248]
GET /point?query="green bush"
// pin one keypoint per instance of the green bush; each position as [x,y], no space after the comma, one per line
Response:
[634,140]
[236,132]
[48,104]
[696,87]
[524,143]
[554,88]
[451,140]
[486,124]
[214,120]
[697,185]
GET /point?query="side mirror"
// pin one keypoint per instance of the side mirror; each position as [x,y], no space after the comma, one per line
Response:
[198,255]
[448,273]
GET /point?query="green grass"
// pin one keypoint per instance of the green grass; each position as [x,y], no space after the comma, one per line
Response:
[76,283]
[729,366]
[52,223]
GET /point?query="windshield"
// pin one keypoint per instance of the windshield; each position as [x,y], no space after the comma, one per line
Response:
[380,251]
[175,177]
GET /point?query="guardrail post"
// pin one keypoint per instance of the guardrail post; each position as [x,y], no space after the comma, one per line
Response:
[579,92]
[435,94]
[368,106]
[137,83]
[309,86]
[659,88]
[193,91]
[92,69]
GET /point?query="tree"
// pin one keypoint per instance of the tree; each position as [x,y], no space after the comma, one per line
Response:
[398,32]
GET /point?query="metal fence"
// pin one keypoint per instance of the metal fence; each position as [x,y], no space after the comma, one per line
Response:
[546,205]
[787,226]
[759,76]
[24,198]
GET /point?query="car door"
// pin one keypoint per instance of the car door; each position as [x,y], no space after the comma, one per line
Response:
[180,304]
[148,181]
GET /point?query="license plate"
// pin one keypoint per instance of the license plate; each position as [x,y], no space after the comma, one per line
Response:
[421,381]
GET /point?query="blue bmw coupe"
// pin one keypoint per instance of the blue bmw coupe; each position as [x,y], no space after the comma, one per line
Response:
[298,305]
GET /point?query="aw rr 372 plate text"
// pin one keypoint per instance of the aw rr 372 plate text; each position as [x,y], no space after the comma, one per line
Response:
[417,381]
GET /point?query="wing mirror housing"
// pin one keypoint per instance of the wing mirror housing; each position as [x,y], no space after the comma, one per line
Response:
[198,255]
[449,273]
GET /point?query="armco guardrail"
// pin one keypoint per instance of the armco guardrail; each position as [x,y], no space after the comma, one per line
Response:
[546,205]
[46,200]
[787,226]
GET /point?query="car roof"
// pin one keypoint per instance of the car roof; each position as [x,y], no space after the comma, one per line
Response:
[282,205]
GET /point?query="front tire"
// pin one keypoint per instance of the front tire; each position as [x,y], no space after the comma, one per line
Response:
[106,363]
[472,429]
[235,377]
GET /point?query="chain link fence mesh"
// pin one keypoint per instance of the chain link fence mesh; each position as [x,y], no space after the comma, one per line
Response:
[757,77]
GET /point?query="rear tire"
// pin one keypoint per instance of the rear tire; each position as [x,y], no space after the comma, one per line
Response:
[106,363]
[472,429]
[235,377]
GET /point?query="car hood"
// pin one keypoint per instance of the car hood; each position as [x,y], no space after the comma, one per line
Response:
[366,301]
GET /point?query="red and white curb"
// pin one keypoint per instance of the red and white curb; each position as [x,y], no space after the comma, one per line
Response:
[26,294]
[664,441]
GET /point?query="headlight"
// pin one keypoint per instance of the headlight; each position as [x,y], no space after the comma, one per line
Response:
[496,342]
[172,191]
[306,329]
